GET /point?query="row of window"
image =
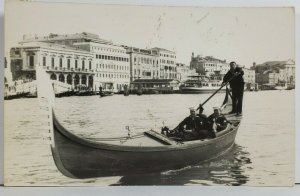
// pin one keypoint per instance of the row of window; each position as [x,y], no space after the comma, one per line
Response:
[107,75]
[113,58]
[107,49]
[145,60]
[108,66]
[138,72]
[168,55]
[214,65]
[151,61]
[53,63]
[167,61]
[169,68]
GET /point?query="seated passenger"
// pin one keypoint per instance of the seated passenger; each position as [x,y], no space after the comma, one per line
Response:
[191,122]
[196,127]
[204,131]
[217,121]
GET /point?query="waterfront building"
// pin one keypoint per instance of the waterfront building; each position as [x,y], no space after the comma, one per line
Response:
[249,75]
[167,63]
[144,63]
[268,77]
[183,72]
[249,79]
[275,72]
[209,66]
[111,62]
[64,63]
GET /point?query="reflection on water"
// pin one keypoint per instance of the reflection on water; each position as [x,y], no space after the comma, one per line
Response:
[227,169]
[263,154]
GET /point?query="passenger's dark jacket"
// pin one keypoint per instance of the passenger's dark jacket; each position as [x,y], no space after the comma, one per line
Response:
[238,81]
[221,121]
[190,123]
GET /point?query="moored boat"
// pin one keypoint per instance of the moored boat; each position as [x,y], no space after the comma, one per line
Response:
[106,93]
[281,86]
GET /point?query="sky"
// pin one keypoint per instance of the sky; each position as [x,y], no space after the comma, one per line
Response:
[244,35]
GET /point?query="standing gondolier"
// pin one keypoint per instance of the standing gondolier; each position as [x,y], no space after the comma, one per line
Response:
[237,87]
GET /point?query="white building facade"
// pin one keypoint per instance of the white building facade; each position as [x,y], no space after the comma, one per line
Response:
[167,63]
[144,63]
[184,72]
[111,62]
[65,64]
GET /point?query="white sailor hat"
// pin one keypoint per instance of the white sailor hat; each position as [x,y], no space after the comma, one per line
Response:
[192,109]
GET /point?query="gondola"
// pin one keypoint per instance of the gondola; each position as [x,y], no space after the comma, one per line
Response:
[148,152]
[106,93]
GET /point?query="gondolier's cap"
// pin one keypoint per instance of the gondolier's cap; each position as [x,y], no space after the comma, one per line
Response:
[192,109]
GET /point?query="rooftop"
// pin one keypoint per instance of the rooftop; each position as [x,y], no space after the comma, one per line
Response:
[49,45]
[277,63]
[162,49]
[207,58]
[56,37]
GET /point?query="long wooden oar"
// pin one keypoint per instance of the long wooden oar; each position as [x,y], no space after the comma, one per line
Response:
[217,91]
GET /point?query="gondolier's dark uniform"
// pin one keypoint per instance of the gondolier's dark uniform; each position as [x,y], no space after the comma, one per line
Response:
[237,87]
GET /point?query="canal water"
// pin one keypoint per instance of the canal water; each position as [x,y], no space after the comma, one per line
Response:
[263,154]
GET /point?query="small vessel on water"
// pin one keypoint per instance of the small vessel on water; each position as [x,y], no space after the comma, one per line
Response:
[83,90]
[147,152]
[200,84]
[281,86]
[106,93]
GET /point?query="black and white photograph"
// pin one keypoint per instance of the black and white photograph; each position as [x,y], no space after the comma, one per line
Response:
[127,95]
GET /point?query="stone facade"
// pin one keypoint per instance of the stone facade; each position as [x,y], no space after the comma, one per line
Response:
[63,63]
[111,62]
[167,63]
[144,63]
[184,72]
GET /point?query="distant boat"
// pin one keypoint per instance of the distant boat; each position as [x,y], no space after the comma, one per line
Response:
[106,93]
[290,86]
[200,84]
[281,86]
[83,90]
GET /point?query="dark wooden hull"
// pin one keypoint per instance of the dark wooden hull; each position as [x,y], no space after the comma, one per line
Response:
[81,158]
[84,93]
[105,94]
